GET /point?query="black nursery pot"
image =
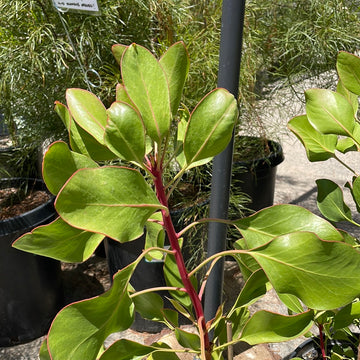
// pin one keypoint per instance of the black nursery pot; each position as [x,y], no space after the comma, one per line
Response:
[310,349]
[30,285]
[256,178]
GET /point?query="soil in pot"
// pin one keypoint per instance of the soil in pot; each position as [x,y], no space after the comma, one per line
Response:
[30,285]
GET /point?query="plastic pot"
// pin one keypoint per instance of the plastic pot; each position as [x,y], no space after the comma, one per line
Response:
[30,285]
[256,177]
[310,349]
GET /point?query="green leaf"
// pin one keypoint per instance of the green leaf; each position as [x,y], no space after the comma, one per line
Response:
[125,133]
[349,96]
[265,327]
[155,237]
[81,141]
[121,95]
[117,204]
[175,63]
[329,112]
[355,191]
[318,147]
[172,278]
[291,302]
[146,84]
[277,220]
[60,163]
[348,68]
[187,339]
[210,126]
[345,145]
[149,306]
[347,315]
[330,201]
[254,288]
[88,112]
[60,241]
[44,352]
[118,51]
[124,349]
[79,330]
[311,269]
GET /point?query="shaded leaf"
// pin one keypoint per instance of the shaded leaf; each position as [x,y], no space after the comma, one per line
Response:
[210,126]
[60,241]
[79,330]
[43,352]
[277,220]
[81,141]
[348,68]
[311,269]
[265,327]
[175,63]
[318,147]
[117,204]
[149,306]
[88,112]
[118,51]
[329,112]
[125,133]
[146,84]
[345,316]
[60,163]
[349,96]
[121,95]
[187,339]
[254,288]
[330,201]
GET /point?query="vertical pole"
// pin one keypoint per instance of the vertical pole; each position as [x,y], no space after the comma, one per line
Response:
[229,69]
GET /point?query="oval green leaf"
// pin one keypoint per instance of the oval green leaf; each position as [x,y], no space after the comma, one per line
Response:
[88,112]
[146,84]
[278,220]
[348,67]
[80,329]
[319,147]
[125,133]
[267,327]
[60,241]
[175,63]
[330,201]
[210,126]
[60,163]
[113,201]
[314,270]
[329,112]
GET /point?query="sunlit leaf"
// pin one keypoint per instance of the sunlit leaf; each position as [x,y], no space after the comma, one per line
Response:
[329,112]
[117,204]
[146,84]
[348,67]
[60,241]
[80,329]
[125,133]
[210,126]
[311,269]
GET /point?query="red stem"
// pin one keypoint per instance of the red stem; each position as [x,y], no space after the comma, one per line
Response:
[174,243]
[322,343]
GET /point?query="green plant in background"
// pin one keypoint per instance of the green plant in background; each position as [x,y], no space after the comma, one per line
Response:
[302,256]
[329,128]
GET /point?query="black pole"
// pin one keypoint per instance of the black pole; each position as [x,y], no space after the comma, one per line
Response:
[229,70]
